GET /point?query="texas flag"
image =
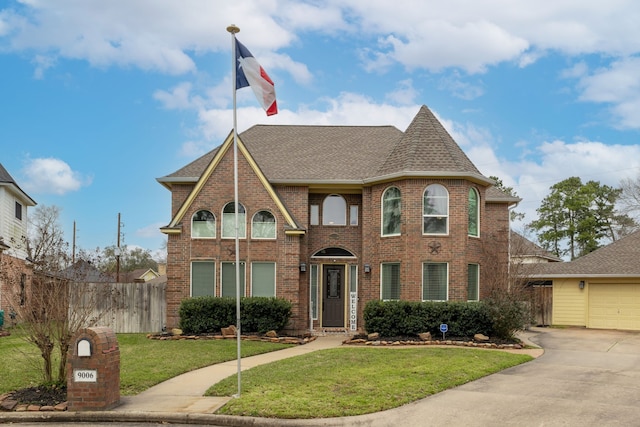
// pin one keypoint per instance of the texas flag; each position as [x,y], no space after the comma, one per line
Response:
[250,73]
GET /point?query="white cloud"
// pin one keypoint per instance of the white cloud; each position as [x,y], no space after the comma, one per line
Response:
[617,85]
[52,176]
[558,160]
[150,231]
[405,94]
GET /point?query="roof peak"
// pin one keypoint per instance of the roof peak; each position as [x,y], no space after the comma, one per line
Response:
[426,145]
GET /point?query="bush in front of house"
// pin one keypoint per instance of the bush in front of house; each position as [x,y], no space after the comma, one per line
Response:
[409,318]
[207,315]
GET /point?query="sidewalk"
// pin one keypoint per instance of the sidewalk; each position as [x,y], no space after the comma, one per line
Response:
[184,393]
[180,400]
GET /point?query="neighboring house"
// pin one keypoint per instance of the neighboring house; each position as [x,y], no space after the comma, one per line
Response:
[598,290]
[85,272]
[524,251]
[523,255]
[139,275]
[332,217]
[15,272]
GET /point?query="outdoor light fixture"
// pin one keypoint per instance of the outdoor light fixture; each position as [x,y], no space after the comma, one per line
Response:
[581,284]
[303,267]
[367,268]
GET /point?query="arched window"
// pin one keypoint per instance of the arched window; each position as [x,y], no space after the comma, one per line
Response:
[391,212]
[334,210]
[203,225]
[435,210]
[229,221]
[474,213]
[263,225]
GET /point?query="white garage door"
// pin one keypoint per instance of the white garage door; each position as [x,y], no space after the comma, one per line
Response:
[614,306]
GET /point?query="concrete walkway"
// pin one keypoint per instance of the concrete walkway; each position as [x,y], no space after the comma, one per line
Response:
[184,393]
[180,400]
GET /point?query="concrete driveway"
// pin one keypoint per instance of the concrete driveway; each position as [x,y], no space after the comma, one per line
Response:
[584,378]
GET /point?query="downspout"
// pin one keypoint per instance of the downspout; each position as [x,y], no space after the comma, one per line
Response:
[509,209]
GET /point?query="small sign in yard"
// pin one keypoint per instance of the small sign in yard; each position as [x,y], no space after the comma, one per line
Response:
[444,328]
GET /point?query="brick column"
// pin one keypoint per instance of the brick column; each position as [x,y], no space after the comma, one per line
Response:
[93,370]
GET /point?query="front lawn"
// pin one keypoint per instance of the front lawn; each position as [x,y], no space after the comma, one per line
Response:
[143,362]
[354,380]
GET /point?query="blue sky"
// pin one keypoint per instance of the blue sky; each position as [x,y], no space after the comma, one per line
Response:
[101,98]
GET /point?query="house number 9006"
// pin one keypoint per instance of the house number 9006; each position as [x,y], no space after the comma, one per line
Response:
[85,375]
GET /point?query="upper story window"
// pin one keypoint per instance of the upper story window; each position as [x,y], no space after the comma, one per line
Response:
[435,210]
[314,214]
[391,212]
[18,211]
[353,215]
[474,213]
[334,210]
[263,225]
[203,225]
[229,221]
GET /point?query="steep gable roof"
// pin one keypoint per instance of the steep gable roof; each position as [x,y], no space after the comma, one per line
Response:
[7,180]
[347,154]
[174,226]
[618,259]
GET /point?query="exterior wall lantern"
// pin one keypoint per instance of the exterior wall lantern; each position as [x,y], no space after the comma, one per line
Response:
[581,284]
[367,268]
[303,267]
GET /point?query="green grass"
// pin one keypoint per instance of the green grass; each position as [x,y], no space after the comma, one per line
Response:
[143,362]
[329,383]
[20,363]
[354,381]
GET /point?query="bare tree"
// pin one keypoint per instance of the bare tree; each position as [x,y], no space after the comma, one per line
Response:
[504,289]
[49,296]
[630,197]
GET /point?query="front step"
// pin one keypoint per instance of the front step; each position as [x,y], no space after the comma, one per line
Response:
[329,331]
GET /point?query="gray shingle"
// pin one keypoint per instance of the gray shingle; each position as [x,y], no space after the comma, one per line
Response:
[620,258]
[349,154]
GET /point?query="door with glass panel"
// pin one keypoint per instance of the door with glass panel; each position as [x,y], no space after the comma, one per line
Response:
[333,291]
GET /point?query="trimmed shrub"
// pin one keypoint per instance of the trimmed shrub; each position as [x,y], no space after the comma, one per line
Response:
[407,318]
[206,315]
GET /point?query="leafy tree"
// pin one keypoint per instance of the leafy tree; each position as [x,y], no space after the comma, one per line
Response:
[575,217]
[514,216]
[130,259]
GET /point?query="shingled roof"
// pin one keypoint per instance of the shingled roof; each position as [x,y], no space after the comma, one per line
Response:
[521,247]
[618,259]
[348,154]
[7,180]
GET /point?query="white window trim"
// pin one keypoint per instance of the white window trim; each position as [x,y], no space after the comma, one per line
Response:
[448,215]
[475,190]
[275,225]
[447,285]
[382,233]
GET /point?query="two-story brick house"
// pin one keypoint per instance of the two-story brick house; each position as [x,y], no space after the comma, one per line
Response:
[15,271]
[332,217]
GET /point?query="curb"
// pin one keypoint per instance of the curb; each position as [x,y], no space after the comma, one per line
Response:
[167,418]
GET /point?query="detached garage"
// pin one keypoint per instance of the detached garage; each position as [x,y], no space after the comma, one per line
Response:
[600,290]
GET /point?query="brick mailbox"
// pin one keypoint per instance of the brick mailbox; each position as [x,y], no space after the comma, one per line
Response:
[93,370]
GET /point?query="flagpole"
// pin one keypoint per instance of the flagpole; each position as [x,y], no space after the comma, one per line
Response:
[233,30]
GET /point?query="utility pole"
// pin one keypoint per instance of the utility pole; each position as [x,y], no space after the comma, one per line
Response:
[118,253]
[73,250]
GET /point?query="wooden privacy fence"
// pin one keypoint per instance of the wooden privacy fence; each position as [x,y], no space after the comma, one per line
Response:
[123,307]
